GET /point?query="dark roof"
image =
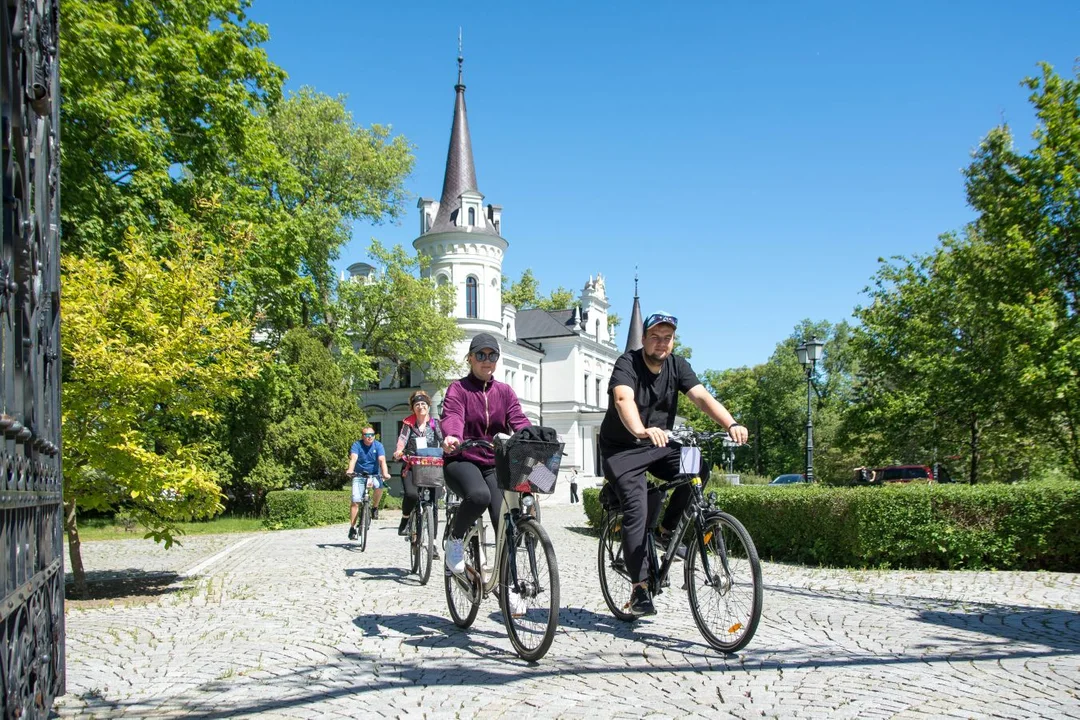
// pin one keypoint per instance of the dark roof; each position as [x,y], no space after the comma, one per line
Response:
[633,335]
[460,172]
[535,323]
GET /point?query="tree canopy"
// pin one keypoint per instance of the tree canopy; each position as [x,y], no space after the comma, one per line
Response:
[148,355]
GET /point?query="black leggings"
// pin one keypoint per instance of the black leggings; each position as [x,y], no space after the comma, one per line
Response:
[625,472]
[411,497]
[476,487]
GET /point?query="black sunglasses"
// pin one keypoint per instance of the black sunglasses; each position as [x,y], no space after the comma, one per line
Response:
[481,356]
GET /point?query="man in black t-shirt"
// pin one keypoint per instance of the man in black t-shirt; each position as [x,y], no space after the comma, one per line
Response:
[644,393]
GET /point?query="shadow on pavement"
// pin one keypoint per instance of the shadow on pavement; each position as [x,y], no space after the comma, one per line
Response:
[432,631]
[582,619]
[120,584]
[1057,629]
[401,575]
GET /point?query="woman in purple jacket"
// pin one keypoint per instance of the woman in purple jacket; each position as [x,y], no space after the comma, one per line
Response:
[476,407]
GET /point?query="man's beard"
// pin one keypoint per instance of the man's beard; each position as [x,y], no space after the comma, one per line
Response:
[655,359]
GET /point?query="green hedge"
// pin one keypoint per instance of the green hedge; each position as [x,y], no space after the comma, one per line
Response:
[291,509]
[1025,526]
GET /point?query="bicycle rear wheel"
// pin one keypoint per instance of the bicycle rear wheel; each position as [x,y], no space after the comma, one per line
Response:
[464,592]
[726,601]
[365,525]
[425,544]
[530,602]
[615,582]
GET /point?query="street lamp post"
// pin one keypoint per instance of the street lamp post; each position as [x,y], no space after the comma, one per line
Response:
[809,353]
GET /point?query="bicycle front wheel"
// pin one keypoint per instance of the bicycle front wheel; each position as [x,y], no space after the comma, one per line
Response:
[414,540]
[724,585]
[464,592]
[425,544]
[615,581]
[529,597]
[365,524]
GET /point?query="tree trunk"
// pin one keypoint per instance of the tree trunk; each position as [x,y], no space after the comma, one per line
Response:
[757,446]
[973,474]
[75,549]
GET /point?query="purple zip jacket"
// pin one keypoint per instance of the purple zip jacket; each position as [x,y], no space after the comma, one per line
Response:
[476,410]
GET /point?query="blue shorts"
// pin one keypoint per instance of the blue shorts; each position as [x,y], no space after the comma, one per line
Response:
[373,481]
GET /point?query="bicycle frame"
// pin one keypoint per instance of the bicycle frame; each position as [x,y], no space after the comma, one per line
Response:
[505,535]
[695,512]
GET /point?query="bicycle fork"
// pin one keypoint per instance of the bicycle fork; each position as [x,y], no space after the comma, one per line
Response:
[530,588]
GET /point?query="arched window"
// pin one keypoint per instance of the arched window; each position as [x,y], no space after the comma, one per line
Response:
[472,216]
[470,297]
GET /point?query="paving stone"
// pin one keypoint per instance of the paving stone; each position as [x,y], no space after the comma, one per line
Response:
[300,624]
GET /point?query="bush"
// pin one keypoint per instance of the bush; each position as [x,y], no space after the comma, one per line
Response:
[1025,526]
[1018,527]
[292,509]
[590,500]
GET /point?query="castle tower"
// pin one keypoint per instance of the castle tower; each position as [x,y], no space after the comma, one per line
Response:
[461,236]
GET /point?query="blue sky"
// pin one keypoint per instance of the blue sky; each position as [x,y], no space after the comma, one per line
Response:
[753,160]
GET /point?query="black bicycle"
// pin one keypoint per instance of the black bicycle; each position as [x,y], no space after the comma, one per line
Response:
[362,524]
[525,575]
[427,476]
[722,573]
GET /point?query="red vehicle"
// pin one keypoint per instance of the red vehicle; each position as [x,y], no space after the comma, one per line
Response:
[904,474]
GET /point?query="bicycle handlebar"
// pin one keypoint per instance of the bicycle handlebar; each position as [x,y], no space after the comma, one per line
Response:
[687,436]
[466,444]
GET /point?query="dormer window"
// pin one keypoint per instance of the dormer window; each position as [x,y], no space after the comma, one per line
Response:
[427,221]
[472,216]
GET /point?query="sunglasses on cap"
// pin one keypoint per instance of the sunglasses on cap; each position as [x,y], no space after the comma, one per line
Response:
[661,318]
[490,356]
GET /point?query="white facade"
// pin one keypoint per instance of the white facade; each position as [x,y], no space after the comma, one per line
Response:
[557,363]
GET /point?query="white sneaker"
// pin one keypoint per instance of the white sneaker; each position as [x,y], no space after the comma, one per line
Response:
[455,555]
[516,603]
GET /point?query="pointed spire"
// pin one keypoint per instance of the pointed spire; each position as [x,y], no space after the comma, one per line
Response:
[634,334]
[460,171]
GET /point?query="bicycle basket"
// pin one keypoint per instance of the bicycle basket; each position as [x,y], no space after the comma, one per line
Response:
[426,471]
[528,465]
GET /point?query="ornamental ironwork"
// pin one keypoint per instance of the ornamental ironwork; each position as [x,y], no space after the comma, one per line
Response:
[31,498]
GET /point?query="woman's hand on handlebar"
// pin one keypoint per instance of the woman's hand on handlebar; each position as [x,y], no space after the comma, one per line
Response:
[398,455]
[658,437]
[452,444]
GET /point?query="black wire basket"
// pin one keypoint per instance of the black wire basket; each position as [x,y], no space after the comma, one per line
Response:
[528,465]
[426,471]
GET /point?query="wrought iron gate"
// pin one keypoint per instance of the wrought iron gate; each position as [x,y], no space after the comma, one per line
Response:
[31,500]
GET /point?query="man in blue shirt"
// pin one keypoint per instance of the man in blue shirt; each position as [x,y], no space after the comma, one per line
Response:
[368,459]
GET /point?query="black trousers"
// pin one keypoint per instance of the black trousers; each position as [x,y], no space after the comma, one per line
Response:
[625,471]
[573,493]
[475,485]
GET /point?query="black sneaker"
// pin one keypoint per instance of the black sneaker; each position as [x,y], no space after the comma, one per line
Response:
[662,542]
[640,602]
[352,532]
[403,527]
[374,513]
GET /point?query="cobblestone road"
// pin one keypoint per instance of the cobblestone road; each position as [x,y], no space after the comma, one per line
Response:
[300,624]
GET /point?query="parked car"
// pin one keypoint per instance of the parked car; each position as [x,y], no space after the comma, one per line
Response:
[788,479]
[903,474]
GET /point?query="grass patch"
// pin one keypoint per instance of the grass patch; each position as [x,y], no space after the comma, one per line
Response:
[107,529]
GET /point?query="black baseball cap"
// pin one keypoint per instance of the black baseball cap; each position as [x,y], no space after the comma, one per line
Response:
[484,340]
